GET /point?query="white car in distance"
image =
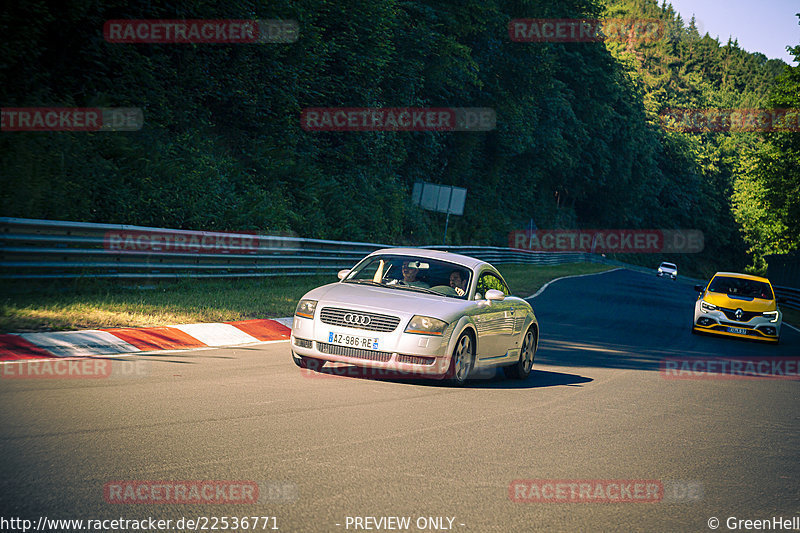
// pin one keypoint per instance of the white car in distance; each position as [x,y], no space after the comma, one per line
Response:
[667,270]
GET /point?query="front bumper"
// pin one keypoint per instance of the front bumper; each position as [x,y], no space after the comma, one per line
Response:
[758,328]
[423,355]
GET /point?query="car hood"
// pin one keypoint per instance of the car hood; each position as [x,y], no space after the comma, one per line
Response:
[386,300]
[755,305]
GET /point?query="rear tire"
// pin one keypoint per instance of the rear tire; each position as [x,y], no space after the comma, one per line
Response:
[462,360]
[522,368]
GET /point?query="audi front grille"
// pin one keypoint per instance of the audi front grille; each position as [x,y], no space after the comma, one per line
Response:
[358,319]
[416,359]
[358,353]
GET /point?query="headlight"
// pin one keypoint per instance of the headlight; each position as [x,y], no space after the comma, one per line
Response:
[772,315]
[705,306]
[305,308]
[425,325]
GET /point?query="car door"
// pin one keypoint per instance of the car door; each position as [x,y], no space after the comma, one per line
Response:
[495,319]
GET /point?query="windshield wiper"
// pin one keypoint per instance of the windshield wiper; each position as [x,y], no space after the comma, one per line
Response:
[417,288]
[364,281]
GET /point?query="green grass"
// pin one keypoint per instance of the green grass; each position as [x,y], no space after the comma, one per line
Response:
[88,304]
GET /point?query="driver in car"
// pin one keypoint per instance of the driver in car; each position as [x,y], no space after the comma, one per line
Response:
[410,275]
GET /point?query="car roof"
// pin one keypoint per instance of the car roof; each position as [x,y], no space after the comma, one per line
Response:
[742,276]
[670,264]
[464,260]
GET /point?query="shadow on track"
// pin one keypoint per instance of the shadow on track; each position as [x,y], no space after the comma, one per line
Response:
[488,379]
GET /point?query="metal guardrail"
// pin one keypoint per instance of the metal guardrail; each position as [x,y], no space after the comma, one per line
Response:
[791,296]
[785,269]
[497,255]
[47,249]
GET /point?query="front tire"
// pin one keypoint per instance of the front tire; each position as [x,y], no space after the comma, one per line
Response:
[522,368]
[462,360]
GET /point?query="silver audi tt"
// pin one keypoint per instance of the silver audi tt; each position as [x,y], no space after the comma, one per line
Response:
[421,312]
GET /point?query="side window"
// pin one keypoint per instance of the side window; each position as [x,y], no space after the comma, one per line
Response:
[490,281]
[368,271]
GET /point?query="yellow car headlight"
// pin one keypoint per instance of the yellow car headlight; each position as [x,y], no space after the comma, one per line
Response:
[707,307]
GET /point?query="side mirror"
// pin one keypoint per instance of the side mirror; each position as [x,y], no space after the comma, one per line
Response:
[495,295]
[699,288]
[343,273]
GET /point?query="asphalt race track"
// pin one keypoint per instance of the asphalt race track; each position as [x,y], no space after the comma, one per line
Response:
[326,448]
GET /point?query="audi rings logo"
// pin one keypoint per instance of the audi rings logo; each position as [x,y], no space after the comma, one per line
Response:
[357,320]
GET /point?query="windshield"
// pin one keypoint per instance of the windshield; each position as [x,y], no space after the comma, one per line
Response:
[406,272]
[743,288]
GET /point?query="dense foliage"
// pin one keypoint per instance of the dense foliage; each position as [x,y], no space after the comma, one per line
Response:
[578,142]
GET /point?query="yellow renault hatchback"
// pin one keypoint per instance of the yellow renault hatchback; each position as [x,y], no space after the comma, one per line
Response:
[738,305]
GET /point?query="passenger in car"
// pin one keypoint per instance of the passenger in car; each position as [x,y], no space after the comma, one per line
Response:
[458,283]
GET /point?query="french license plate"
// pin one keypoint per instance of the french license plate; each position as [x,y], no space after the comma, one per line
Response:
[355,341]
[740,331]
